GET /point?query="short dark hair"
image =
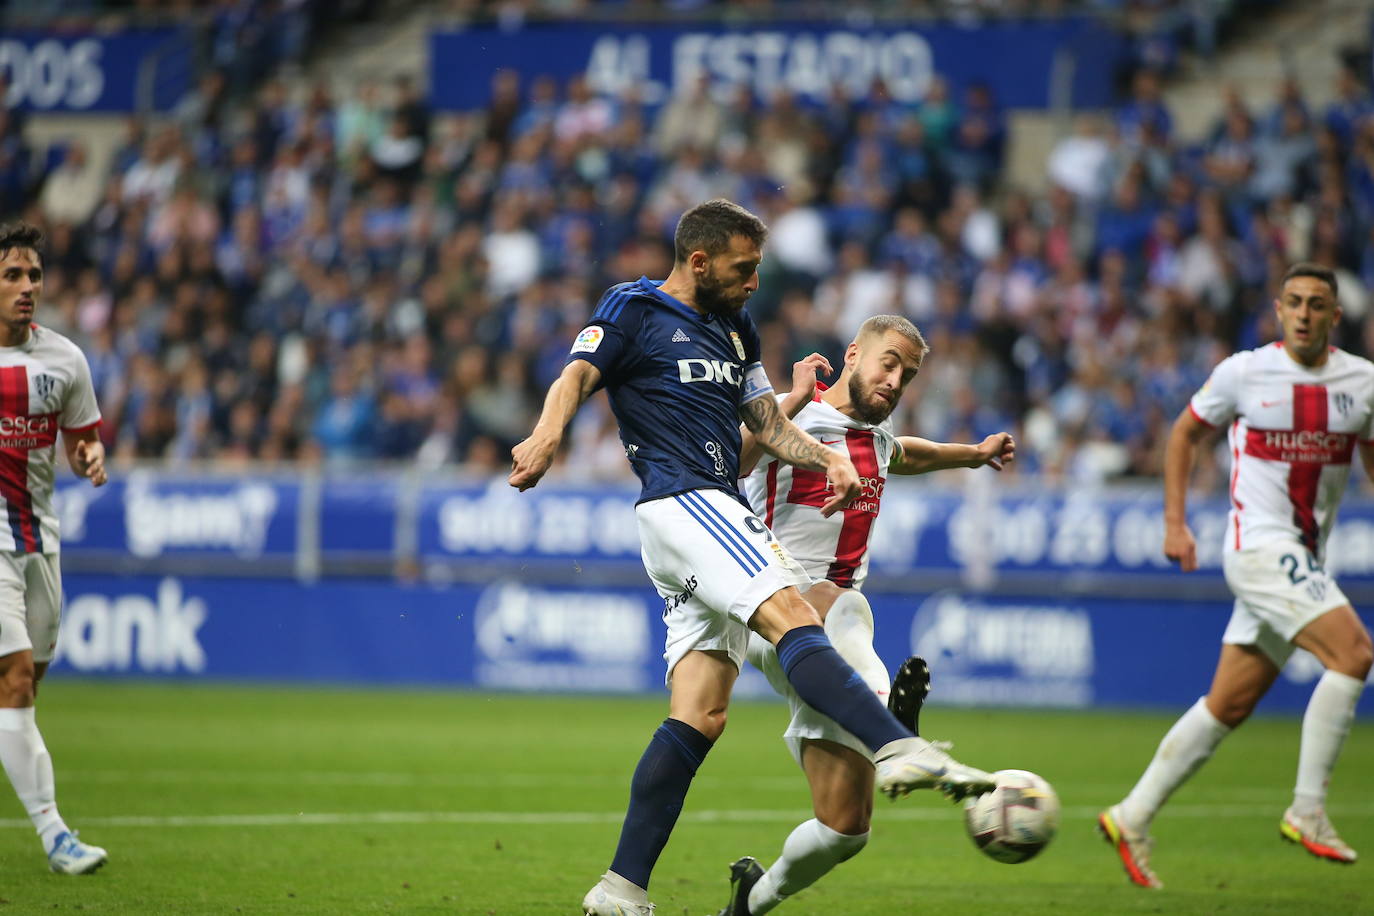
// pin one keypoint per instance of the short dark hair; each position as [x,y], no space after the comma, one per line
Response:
[1314,270]
[20,235]
[709,227]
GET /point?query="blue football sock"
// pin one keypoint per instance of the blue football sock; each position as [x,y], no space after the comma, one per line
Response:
[826,682]
[657,791]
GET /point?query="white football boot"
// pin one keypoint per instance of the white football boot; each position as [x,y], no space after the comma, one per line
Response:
[1316,835]
[915,763]
[608,898]
[1132,846]
[70,856]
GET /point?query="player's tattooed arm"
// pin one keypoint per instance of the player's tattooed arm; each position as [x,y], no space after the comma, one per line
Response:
[532,457]
[804,374]
[777,435]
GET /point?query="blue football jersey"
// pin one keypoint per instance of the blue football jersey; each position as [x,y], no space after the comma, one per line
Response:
[676,380]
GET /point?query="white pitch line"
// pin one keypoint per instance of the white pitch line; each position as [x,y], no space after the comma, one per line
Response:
[554,818]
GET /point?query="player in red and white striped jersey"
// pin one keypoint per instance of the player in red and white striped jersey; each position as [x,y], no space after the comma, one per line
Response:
[45,386]
[1296,412]
[852,416]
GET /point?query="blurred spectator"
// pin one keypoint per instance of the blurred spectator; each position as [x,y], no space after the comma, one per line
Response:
[72,190]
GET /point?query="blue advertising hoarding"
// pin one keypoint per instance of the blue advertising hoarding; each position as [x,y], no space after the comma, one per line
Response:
[1086,541]
[94,71]
[512,635]
[1016,59]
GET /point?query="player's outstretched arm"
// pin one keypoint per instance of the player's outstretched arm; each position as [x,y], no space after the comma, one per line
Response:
[1367,457]
[921,456]
[804,375]
[86,455]
[532,457]
[1179,455]
[777,435]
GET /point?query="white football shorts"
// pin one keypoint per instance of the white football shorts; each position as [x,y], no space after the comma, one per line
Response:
[1280,588]
[713,563]
[806,723]
[30,603]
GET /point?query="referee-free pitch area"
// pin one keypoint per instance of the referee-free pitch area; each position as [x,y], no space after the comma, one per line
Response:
[226,799]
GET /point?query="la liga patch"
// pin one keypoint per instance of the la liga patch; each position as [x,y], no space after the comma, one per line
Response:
[588,339]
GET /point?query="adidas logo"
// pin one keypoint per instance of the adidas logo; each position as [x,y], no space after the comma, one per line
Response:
[680,337]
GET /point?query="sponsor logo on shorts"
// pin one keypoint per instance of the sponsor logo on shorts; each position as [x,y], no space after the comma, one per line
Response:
[673,602]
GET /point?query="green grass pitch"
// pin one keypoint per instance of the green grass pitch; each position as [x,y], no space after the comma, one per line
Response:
[225,799]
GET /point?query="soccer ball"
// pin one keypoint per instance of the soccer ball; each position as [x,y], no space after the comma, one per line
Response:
[1013,822]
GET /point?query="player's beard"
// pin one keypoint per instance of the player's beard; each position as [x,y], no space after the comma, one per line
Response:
[711,297]
[862,401]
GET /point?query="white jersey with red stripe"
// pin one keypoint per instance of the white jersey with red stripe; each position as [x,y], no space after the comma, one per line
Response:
[45,386]
[789,498]
[1293,431]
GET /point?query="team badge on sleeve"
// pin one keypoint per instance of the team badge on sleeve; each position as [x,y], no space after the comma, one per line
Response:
[739,344]
[588,339]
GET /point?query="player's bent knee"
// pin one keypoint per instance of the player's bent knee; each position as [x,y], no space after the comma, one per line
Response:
[17,684]
[1361,659]
[785,610]
[1232,713]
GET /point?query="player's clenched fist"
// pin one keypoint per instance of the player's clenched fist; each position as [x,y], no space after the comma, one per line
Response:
[997,450]
[529,460]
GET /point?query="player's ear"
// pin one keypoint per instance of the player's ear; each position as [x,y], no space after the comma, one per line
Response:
[851,354]
[698,260]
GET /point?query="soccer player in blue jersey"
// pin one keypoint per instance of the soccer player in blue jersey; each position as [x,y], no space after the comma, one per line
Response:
[681,365]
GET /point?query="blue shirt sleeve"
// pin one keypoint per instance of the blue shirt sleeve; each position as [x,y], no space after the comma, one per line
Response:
[601,343]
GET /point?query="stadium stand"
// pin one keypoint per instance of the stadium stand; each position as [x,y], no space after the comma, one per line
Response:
[280,271]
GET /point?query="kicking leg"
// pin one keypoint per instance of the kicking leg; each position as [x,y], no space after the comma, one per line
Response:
[700,695]
[1342,644]
[831,686]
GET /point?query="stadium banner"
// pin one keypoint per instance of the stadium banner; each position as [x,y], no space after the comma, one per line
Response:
[149,515]
[511,635]
[1017,60]
[93,71]
[980,534]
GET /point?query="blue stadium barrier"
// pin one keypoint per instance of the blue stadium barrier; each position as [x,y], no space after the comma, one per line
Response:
[509,634]
[1017,596]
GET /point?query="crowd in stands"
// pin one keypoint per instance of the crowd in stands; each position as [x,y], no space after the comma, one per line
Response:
[311,278]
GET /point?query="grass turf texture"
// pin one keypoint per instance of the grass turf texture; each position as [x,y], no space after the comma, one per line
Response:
[218,799]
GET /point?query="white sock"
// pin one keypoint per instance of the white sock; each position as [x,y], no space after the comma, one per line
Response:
[1186,747]
[849,627]
[1324,727]
[29,768]
[810,851]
